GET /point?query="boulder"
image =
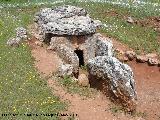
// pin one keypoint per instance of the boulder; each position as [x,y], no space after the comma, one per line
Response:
[118,75]
[83,80]
[65,70]
[66,20]
[68,55]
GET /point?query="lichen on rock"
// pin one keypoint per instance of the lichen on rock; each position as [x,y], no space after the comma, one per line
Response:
[118,75]
[66,20]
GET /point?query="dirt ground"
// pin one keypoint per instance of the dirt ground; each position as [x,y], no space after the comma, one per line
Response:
[147,80]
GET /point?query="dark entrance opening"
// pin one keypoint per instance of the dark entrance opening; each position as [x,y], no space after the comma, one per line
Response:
[48,37]
[80,56]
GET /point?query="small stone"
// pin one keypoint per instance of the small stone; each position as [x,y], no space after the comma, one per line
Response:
[14,42]
[123,58]
[83,80]
[65,70]
[141,58]
[130,20]
[130,54]
[39,43]
[153,61]
[119,51]
[98,23]
[21,33]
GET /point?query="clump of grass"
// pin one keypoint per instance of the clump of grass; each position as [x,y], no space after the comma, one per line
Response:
[84,67]
[116,109]
[140,114]
[73,87]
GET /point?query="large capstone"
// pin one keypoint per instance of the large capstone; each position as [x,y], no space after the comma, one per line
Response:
[118,75]
[66,20]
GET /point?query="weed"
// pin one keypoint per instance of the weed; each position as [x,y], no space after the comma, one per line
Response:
[73,87]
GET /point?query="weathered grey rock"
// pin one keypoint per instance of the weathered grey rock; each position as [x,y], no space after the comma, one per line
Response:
[55,41]
[83,80]
[153,61]
[119,75]
[141,58]
[98,23]
[89,47]
[21,33]
[130,54]
[65,70]
[14,42]
[68,56]
[66,20]
[104,46]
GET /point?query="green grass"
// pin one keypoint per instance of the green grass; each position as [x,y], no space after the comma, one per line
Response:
[73,87]
[141,39]
[22,90]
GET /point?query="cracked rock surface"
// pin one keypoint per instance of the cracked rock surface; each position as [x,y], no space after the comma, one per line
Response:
[66,20]
[118,75]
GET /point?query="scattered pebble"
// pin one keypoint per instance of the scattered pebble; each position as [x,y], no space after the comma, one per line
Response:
[39,43]
[141,58]
[83,80]
[130,54]
[153,61]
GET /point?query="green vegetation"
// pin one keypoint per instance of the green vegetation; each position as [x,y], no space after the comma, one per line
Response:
[22,90]
[73,87]
[115,109]
[141,39]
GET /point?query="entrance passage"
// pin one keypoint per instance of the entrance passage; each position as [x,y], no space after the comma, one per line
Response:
[80,56]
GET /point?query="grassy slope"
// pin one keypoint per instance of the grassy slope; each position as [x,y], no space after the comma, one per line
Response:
[22,89]
[141,39]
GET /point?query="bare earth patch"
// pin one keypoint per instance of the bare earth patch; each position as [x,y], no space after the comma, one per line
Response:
[98,108]
[148,87]
[46,61]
